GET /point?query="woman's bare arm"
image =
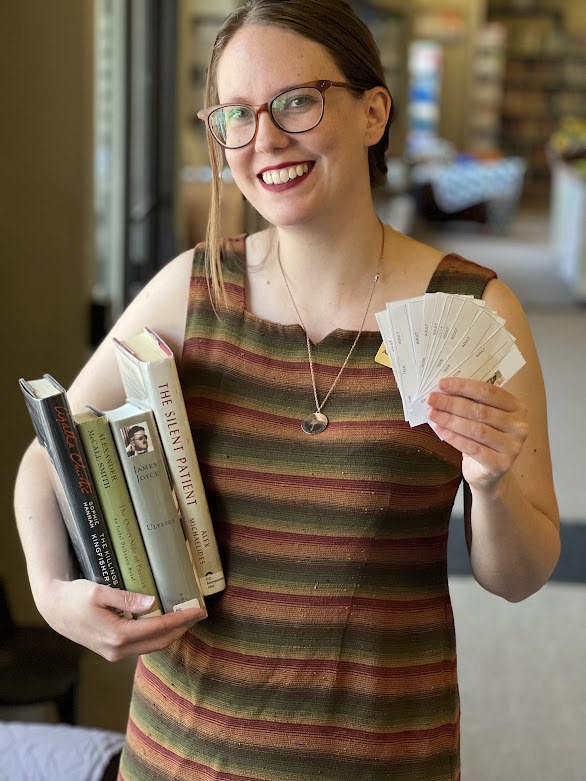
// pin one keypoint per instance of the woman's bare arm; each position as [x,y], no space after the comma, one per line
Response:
[81,610]
[511,509]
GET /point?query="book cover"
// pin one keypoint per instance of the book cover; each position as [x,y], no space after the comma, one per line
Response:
[141,454]
[117,507]
[150,378]
[50,413]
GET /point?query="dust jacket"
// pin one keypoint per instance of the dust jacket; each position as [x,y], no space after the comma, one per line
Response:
[50,413]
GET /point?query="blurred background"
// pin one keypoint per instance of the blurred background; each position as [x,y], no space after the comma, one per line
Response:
[104,178]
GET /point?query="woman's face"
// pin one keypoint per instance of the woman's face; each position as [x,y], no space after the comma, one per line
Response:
[257,64]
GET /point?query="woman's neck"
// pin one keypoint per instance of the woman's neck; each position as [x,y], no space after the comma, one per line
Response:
[340,255]
[327,275]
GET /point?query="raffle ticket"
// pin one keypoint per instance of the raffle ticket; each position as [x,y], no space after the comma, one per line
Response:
[443,335]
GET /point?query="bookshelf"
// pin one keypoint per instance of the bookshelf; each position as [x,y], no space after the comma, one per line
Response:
[530,110]
[544,82]
[486,96]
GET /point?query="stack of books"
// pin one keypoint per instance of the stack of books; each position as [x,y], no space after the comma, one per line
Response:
[128,482]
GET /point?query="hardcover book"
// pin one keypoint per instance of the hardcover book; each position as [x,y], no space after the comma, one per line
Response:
[49,409]
[144,465]
[150,378]
[117,507]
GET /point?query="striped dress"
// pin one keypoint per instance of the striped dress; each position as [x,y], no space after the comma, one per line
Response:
[331,654]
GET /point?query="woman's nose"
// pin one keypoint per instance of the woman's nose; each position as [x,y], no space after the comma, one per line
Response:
[268,135]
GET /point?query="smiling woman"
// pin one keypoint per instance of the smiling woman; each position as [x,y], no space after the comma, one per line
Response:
[341,38]
[331,652]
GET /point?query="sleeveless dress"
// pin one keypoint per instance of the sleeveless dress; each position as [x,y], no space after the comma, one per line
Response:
[331,653]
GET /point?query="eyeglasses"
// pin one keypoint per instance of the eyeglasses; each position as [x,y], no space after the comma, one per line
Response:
[295,110]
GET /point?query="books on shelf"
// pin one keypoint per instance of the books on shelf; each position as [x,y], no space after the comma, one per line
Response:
[150,378]
[117,506]
[143,462]
[49,409]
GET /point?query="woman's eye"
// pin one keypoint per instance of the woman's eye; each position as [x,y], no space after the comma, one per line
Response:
[299,101]
[293,103]
[238,114]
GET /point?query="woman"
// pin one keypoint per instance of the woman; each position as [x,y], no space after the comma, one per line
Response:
[331,652]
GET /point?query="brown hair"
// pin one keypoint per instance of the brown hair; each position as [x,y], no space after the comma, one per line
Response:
[335,26]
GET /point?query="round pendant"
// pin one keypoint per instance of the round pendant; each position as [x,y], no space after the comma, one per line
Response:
[314,423]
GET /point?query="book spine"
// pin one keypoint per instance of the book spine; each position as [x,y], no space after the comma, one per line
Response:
[106,469]
[157,515]
[166,400]
[75,490]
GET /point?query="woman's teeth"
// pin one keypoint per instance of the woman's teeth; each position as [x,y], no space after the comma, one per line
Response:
[283,175]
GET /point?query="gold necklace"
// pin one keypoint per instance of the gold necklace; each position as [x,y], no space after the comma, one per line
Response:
[316,422]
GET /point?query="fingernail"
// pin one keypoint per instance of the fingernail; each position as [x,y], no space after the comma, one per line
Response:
[147,600]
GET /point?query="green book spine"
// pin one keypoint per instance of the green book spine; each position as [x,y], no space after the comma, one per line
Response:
[117,506]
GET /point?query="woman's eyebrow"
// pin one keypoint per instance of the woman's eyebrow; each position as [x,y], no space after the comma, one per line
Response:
[245,101]
[237,100]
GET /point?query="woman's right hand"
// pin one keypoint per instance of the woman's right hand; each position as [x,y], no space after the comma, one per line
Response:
[90,614]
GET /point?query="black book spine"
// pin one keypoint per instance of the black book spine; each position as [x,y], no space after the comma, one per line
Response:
[75,489]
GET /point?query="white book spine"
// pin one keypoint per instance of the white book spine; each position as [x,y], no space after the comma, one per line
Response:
[155,385]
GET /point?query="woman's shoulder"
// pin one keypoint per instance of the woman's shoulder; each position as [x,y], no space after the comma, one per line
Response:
[162,303]
[408,265]
[425,257]
[424,268]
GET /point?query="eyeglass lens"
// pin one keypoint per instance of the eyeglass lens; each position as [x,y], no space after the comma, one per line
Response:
[294,111]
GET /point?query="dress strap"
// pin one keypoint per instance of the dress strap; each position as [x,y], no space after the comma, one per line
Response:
[455,274]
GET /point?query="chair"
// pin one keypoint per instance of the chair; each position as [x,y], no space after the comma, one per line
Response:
[37,665]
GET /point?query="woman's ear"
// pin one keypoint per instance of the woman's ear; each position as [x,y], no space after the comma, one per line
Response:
[377,105]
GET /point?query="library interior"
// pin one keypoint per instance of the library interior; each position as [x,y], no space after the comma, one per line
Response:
[106,177]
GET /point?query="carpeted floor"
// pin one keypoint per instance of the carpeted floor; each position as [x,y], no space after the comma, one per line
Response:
[522,683]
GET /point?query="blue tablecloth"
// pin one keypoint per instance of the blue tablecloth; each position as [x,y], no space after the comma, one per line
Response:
[461,184]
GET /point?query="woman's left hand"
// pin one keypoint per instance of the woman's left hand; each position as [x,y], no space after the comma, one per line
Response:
[484,421]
